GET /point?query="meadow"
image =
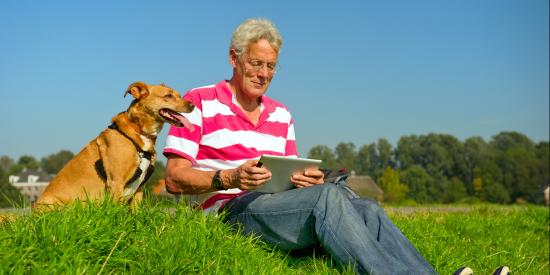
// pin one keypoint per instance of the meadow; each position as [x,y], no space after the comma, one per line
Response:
[171,238]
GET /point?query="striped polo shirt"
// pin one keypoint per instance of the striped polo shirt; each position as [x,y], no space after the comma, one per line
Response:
[224,138]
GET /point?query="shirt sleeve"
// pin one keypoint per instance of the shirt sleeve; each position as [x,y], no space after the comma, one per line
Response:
[290,149]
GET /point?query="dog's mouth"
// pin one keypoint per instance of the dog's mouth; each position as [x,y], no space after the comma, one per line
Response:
[175,118]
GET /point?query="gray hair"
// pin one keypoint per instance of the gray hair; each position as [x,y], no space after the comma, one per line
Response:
[251,31]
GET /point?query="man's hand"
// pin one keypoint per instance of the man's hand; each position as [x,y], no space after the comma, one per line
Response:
[307,178]
[247,176]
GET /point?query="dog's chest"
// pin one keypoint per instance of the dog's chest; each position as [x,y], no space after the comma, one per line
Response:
[147,143]
[144,170]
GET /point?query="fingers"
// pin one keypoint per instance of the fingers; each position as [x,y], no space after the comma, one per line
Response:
[314,173]
[307,178]
[251,177]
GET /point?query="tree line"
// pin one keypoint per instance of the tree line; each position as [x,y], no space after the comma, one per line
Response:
[439,168]
[430,168]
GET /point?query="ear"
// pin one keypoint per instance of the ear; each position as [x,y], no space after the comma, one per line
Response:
[233,58]
[137,90]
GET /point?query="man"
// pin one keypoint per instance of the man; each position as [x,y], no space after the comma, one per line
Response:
[235,123]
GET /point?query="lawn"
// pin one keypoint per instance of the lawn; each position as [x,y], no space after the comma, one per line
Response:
[108,238]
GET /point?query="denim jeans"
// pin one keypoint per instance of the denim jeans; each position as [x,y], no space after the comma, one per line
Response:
[352,230]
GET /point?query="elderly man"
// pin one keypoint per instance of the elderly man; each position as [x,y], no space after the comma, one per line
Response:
[235,123]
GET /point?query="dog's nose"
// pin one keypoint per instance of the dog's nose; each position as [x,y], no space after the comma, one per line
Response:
[191,106]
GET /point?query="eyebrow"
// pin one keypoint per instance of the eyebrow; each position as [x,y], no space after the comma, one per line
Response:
[257,59]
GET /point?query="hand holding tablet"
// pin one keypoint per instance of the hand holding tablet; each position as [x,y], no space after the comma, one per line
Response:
[281,169]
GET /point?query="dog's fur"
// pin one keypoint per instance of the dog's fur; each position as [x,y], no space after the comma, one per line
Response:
[122,153]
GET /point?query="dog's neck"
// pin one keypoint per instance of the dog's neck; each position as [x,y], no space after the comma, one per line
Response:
[139,129]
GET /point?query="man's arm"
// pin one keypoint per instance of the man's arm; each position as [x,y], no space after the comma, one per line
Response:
[181,178]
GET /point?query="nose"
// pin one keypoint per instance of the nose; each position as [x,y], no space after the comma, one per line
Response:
[188,106]
[264,71]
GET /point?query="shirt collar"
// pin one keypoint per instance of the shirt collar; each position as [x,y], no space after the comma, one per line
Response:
[227,97]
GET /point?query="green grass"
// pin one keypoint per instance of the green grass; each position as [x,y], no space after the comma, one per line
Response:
[108,238]
[484,238]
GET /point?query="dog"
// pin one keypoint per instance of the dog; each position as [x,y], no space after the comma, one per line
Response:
[122,157]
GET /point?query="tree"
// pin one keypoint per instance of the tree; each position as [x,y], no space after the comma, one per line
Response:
[323,153]
[394,191]
[517,159]
[495,192]
[28,162]
[454,191]
[54,162]
[6,163]
[385,155]
[439,155]
[421,185]
[346,155]
[367,160]
[477,154]
[409,152]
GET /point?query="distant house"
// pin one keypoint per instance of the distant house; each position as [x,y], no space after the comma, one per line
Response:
[30,183]
[365,186]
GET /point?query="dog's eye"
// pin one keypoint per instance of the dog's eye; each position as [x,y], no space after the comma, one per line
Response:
[169,96]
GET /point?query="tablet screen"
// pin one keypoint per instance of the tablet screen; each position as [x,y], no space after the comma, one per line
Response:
[281,169]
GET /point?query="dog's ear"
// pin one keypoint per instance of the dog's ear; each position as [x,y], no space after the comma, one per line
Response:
[137,90]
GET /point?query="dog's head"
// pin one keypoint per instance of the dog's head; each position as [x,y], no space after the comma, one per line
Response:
[161,102]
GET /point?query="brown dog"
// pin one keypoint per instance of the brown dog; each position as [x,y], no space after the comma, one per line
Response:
[121,158]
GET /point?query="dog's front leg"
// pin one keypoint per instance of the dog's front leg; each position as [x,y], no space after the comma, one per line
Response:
[136,200]
[119,161]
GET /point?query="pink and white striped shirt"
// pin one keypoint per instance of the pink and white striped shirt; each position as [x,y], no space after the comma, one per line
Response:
[225,138]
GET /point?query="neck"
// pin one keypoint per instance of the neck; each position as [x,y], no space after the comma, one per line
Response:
[142,125]
[145,126]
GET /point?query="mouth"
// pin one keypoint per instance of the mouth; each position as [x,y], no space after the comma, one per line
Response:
[175,118]
[258,84]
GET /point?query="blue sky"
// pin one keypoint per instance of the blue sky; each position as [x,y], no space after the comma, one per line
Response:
[351,71]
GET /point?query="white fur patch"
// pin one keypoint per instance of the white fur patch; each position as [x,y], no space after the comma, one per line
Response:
[147,143]
[131,189]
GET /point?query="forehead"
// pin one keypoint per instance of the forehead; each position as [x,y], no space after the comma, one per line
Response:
[161,88]
[261,49]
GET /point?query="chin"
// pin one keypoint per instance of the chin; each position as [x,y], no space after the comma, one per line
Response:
[256,92]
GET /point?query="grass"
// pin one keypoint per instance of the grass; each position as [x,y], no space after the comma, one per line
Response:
[483,238]
[108,238]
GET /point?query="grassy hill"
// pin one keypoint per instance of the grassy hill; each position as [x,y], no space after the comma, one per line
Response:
[108,238]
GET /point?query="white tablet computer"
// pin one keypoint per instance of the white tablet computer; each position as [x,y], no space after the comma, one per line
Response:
[281,169]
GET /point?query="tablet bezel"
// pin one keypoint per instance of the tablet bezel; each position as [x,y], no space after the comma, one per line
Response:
[281,169]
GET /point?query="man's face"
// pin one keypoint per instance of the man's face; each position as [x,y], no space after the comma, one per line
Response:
[255,68]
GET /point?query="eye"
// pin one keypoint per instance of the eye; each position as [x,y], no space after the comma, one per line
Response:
[271,66]
[169,96]
[256,63]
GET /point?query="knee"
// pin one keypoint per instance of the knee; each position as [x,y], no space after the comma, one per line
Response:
[331,190]
[330,194]
[367,207]
[372,205]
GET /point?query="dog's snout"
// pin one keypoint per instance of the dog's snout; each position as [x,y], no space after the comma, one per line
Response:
[191,106]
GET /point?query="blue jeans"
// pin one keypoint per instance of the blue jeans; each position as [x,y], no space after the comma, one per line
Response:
[352,230]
